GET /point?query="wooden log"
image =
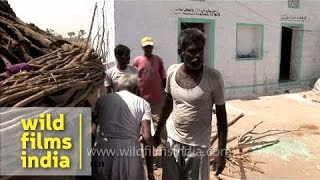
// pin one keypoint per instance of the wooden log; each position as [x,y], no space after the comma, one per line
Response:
[54,63]
[91,25]
[20,80]
[242,171]
[36,51]
[6,38]
[36,37]
[72,52]
[62,100]
[53,53]
[9,55]
[82,96]
[50,91]
[67,61]
[19,95]
[11,91]
[239,116]
[24,51]
[86,55]
[74,60]
[35,67]
[101,42]
[12,30]
[45,61]
[7,16]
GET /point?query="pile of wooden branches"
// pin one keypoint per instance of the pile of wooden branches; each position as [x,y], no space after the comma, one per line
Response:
[5,7]
[239,147]
[63,78]
[21,42]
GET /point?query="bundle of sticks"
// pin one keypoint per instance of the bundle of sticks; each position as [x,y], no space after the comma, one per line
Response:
[63,78]
[239,147]
[21,42]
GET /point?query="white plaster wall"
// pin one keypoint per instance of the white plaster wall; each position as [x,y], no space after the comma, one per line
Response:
[310,65]
[135,19]
[248,72]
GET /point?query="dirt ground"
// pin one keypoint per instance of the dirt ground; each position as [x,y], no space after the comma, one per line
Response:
[297,155]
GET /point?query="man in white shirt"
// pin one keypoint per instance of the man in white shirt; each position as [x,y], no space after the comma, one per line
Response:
[122,54]
[191,91]
[121,116]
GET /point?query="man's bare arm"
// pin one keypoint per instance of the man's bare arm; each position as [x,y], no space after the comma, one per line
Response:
[146,131]
[222,125]
[165,112]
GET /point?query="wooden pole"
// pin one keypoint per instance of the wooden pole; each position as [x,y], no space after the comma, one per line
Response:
[92,21]
[242,171]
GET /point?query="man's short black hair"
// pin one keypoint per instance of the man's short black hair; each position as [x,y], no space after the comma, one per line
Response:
[189,35]
[120,50]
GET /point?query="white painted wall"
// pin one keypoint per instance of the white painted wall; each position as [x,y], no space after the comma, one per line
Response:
[135,19]
[310,67]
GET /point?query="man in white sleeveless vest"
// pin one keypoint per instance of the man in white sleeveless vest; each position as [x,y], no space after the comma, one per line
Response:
[191,91]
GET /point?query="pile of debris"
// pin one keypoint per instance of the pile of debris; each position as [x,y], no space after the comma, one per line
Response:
[21,42]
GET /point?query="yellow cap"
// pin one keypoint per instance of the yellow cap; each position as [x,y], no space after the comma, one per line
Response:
[147,41]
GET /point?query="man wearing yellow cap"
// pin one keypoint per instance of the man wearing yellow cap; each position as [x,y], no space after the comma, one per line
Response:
[152,78]
[151,73]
